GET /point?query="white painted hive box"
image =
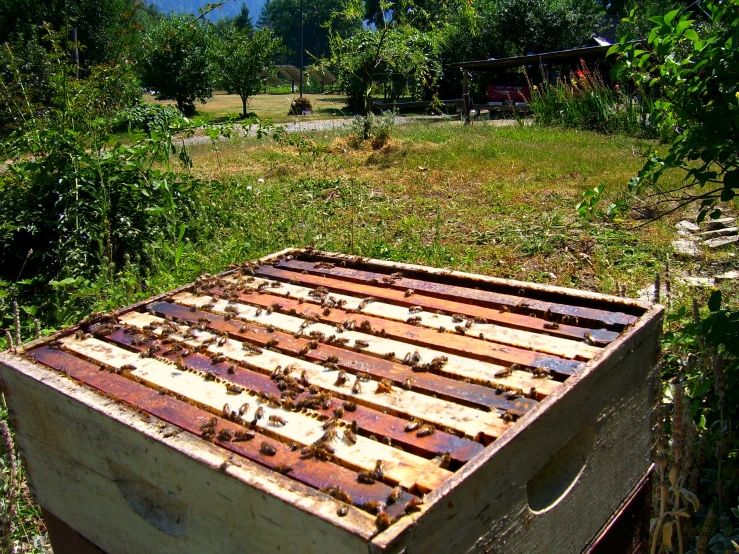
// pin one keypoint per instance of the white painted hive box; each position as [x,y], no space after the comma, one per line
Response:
[315,402]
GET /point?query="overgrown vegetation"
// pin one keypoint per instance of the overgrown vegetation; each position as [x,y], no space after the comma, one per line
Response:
[587,102]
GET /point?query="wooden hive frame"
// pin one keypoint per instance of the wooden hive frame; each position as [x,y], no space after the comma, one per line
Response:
[530,392]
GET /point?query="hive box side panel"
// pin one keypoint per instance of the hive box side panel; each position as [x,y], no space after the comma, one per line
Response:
[551,484]
[131,483]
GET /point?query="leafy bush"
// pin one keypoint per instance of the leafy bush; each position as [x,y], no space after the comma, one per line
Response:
[147,118]
[299,105]
[586,102]
[694,80]
[376,130]
[697,444]
[75,204]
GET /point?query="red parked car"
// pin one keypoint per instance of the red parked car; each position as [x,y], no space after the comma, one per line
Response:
[508,94]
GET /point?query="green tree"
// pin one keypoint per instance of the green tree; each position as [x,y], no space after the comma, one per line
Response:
[374,58]
[104,27]
[244,61]
[176,61]
[283,17]
[243,20]
[696,82]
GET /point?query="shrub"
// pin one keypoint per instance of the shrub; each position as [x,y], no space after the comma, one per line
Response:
[147,118]
[586,102]
[372,128]
[300,105]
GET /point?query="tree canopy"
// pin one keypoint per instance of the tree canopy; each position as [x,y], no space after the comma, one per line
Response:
[176,63]
[244,60]
[319,21]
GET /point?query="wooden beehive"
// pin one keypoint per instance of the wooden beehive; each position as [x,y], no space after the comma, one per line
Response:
[314,402]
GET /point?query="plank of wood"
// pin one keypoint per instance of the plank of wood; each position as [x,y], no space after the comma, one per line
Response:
[616,320]
[475,424]
[533,332]
[369,421]
[483,331]
[129,483]
[311,472]
[453,343]
[467,394]
[456,366]
[495,503]
[409,471]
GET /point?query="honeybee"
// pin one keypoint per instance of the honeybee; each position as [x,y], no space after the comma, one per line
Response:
[508,416]
[329,435]
[409,293]
[218,359]
[379,472]
[350,437]
[441,329]
[231,369]
[415,309]
[357,387]
[225,435]
[413,505]
[551,325]
[384,386]
[222,341]
[426,430]
[415,320]
[259,414]
[209,423]
[338,493]
[383,521]
[505,372]
[241,436]
[267,449]
[444,460]
[366,477]
[128,367]
[277,420]
[374,506]
[341,379]
[350,406]
[460,330]
[234,389]
[342,511]
[589,339]
[283,468]
[504,309]
[540,372]
[361,343]
[394,495]
[412,426]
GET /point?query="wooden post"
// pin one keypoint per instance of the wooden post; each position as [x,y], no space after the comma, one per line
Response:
[467,106]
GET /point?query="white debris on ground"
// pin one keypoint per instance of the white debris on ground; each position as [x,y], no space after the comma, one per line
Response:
[694,238]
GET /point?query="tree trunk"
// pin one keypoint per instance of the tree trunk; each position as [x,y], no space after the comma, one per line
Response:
[243,107]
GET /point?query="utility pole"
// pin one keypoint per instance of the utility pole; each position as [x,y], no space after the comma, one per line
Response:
[301,48]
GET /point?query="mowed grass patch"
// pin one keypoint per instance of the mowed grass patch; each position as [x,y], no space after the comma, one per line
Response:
[268,106]
[491,199]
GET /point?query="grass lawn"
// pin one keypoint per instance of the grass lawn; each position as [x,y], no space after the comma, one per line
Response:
[495,200]
[269,106]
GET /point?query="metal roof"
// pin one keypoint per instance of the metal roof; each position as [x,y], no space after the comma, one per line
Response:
[518,61]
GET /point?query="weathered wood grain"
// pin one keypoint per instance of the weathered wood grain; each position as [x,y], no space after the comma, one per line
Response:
[538,327]
[497,504]
[130,483]
[461,392]
[458,366]
[408,470]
